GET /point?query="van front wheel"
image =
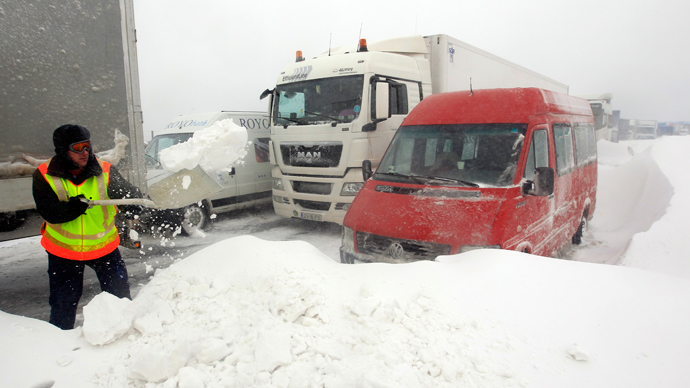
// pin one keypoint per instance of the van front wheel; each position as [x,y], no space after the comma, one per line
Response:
[577,237]
[195,219]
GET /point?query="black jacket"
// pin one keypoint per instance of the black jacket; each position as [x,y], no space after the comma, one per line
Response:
[56,212]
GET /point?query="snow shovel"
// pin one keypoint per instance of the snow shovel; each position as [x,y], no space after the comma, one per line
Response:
[174,191]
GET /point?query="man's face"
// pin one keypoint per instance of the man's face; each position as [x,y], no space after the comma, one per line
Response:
[79,159]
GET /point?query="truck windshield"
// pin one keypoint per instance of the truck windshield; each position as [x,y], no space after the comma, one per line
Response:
[468,154]
[325,100]
[161,142]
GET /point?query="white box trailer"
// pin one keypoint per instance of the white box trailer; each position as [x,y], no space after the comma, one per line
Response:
[456,65]
[342,107]
[64,61]
[248,184]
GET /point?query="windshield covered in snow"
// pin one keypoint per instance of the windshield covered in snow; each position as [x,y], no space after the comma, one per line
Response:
[325,100]
[161,142]
[461,154]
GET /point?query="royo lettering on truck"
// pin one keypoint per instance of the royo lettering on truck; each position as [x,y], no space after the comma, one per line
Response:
[255,123]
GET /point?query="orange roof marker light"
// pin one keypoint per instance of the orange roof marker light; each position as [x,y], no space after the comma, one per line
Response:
[298,56]
[362,45]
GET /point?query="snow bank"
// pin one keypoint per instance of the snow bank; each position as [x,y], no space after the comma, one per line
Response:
[214,148]
[246,312]
[664,246]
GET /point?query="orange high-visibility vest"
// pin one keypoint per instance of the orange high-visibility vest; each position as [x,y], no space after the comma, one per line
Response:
[89,236]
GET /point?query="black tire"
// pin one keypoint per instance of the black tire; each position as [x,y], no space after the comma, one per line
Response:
[577,237]
[195,218]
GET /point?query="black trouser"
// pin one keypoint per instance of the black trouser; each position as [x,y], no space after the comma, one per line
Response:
[67,281]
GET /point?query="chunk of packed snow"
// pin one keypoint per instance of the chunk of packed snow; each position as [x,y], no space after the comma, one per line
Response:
[214,148]
[107,318]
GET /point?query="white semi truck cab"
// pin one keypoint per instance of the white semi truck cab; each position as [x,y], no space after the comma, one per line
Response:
[335,114]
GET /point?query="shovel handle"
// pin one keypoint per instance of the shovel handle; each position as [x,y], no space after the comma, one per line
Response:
[125,201]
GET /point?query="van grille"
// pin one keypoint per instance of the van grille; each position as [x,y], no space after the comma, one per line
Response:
[324,154]
[313,205]
[312,187]
[399,249]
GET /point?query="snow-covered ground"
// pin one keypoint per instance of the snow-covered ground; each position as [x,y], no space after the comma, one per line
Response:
[250,312]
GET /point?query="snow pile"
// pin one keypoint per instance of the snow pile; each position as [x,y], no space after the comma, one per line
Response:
[666,240]
[251,313]
[214,148]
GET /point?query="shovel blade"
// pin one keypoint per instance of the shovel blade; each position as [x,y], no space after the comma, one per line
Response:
[182,188]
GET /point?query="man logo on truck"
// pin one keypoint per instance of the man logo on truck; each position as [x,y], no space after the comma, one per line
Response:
[308,156]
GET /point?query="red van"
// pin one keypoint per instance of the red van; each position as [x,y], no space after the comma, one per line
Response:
[497,168]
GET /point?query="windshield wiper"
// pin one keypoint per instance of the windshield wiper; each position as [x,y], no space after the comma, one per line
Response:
[298,121]
[413,177]
[444,179]
[320,115]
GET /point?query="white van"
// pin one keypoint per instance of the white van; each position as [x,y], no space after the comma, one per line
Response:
[248,184]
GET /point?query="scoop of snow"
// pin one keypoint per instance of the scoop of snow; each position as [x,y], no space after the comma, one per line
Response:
[215,148]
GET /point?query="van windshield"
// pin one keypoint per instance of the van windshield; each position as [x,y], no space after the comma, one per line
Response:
[468,154]
[161,142]
[324,100]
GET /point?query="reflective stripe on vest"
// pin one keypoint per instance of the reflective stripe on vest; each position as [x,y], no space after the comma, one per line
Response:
[89,236]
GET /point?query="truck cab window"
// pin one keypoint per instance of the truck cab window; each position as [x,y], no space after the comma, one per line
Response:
[319,101]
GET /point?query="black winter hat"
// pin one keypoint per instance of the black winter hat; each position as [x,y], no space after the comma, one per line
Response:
[68,134]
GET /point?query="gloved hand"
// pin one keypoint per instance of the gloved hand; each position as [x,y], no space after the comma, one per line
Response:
[76,205]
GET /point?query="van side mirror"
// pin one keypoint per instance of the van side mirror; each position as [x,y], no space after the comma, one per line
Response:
[543,183]
[367,172]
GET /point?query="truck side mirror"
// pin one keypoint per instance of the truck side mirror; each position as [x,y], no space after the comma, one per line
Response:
[543,183]
[382,111]
[366,170]
[266,93]
[380,104]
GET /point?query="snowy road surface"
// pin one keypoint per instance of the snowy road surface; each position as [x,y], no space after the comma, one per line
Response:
[630,199]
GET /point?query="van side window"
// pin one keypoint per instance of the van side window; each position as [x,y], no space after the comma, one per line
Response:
[538,155]
[592,141]
[563,139]
[582,145]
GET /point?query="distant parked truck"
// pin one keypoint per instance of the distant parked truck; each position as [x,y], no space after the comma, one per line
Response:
[248,184]
[332,112]
[645,129]
[71,62]
[605,119]
[508,169]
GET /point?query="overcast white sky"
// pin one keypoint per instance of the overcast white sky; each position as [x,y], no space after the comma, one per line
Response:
[220,55]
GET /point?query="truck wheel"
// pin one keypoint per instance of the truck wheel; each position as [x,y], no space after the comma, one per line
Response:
[577,237]
[195,219]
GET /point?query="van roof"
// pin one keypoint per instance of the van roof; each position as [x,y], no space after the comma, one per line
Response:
[514,105]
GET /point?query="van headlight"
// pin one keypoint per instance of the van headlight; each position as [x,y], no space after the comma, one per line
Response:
[278,184]
[348,239]
[351,189]
[467,248]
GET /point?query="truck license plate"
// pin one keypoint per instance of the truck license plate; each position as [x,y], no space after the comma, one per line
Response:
[311,216]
